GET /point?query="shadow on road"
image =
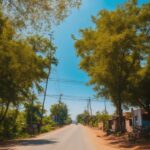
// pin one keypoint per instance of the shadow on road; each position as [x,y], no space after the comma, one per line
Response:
[29,142]
[36,142]
[6,149]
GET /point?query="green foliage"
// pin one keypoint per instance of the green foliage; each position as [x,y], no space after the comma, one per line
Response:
[68,120]
[13,124]
[24,65]
[33,113]
[59,113]
[103,117]
[116,51]
[36,14]
[139,89]
[93,121]
[25,123]
[86,119]
[46,128]
[25,60]
[48,124]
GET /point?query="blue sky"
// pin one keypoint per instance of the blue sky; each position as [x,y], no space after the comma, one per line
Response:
[68,68]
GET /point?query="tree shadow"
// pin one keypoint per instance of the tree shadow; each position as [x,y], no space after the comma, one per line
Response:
[145,146]
[3,148]
[122,142]
[27,142]
[36,142]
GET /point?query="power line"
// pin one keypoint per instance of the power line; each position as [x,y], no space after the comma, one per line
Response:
[74,98]
[69,96]
[68,81]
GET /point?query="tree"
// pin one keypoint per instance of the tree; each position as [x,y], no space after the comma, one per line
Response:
[10,126]
[36,13]
[93,120]
[33,114]
[23,65]
[103,117]
[25,61]
[59,112]
[113,52]
[84,118]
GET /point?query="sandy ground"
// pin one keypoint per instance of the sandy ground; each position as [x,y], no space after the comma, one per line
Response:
[116,143]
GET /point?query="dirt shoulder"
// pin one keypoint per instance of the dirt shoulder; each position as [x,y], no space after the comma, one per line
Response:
[115,143]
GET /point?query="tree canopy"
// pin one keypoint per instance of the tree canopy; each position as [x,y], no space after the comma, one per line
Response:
[59,113]
[37,14]
[115,52]
[26,55]
[24,64]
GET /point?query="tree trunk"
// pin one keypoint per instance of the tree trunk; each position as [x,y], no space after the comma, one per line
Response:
[15,118]
[5,112]
[45,91]
[120,115]
[2,109]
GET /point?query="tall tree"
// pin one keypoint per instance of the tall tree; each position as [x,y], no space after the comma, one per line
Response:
[113,52]
[59,112]
[37,13]
[23,65]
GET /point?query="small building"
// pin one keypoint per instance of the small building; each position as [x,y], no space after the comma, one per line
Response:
[130,120]
[140,118]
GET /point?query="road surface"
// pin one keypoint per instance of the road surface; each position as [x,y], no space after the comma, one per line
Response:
[73,137]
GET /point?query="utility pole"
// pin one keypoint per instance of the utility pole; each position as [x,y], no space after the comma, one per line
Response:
[89,107]
[46,85]
[60,96]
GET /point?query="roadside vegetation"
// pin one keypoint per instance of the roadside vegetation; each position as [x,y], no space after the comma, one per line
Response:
[59,113]
[27,122]
[99,120]
[116,56]
[27,53]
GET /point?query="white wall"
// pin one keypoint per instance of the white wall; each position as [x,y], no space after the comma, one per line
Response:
[137,117]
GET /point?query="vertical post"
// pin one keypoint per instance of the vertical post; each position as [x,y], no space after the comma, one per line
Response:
[45,91]
[90,107]
[120,115]
[60,96]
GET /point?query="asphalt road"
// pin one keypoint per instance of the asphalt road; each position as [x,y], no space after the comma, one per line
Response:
[73,137]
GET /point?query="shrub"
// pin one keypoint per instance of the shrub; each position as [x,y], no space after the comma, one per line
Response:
[46,128]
